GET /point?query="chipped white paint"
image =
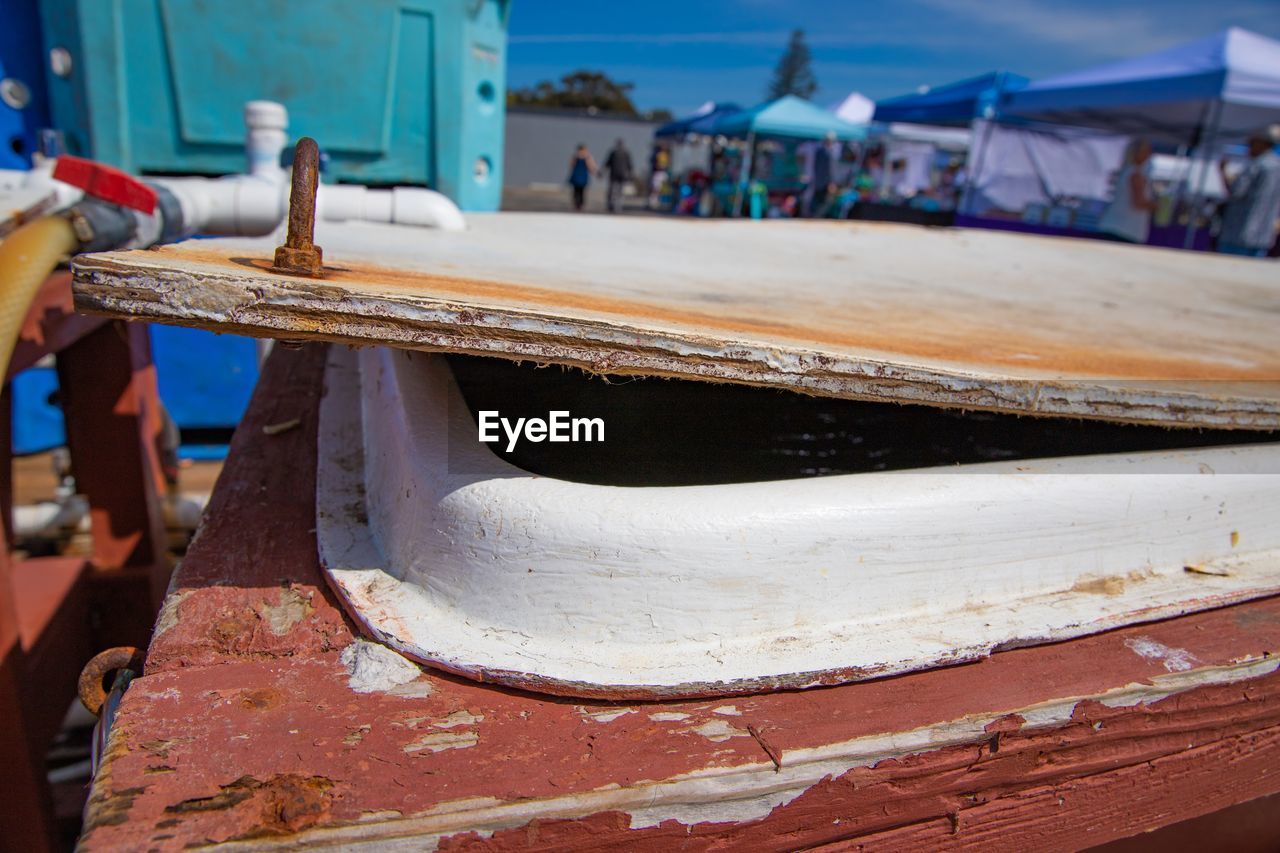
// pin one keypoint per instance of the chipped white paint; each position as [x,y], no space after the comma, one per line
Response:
[603,715]
[458,718]
[1174,660]
[668,717]
[727,711]
[469,563]
[168,616]
[440,741]
[374,668]
[718,731]
[746,791]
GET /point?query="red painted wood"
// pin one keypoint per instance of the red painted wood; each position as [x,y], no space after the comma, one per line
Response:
[1250,827]
[53,609]
[245,726]
[26,810]
[113,428]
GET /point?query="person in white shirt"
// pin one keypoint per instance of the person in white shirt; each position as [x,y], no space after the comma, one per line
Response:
[1128,218]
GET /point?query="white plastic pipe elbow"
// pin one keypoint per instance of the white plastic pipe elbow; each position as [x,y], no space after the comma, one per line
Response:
[400,205]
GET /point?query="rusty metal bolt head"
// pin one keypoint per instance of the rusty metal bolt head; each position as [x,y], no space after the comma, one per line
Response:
[300,255]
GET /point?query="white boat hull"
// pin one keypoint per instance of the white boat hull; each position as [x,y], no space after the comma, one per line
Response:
[462,561]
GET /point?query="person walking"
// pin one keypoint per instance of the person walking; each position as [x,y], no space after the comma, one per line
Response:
[618,167]
[1128,218]
[581,168]
[1253,199]
[822,182]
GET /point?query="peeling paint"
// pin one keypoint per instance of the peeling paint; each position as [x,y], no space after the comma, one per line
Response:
[603,715]
[169,612]
[458,718]
[1174,660]
[374,668]
[668,717]
[440,741]
[718,731]
[292,609]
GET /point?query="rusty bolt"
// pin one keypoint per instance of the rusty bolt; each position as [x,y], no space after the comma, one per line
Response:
[300,255]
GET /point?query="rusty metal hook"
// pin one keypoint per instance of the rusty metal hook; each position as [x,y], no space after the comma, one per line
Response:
[92,689]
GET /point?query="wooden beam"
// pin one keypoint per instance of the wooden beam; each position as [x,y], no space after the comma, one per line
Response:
[26,809]
[114,428]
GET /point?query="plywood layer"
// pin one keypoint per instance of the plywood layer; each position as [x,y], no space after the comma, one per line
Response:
[963,318]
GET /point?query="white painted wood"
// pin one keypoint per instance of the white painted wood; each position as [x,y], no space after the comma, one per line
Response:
[459,559]
[966,318]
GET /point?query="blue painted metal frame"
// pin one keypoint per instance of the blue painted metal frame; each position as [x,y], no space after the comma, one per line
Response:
[21,59]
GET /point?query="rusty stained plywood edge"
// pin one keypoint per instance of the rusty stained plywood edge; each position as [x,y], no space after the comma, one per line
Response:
[276,307]
[743,792]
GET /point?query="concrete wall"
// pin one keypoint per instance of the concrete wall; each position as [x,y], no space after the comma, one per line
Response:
[540,143]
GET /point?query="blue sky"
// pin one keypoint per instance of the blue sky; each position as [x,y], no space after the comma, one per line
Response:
[680,54]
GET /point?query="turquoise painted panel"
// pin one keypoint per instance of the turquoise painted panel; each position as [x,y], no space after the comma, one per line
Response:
[312,69]
[395,91]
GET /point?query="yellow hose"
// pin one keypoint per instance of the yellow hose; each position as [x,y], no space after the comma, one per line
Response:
[27,256]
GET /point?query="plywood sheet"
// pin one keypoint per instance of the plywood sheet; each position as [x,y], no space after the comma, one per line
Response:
[962,318]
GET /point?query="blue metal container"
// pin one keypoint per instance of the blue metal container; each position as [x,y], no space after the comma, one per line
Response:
[395,91]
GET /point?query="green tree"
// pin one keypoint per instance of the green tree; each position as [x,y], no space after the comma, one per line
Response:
[794,74]
[581,90]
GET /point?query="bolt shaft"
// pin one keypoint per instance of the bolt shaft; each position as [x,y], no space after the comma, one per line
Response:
[300,254]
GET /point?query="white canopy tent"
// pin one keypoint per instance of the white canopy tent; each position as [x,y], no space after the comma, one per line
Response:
[857,108]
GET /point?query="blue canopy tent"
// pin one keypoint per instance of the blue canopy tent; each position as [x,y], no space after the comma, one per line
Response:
[790,117]
[701,120]
[953,104]
[1225,85]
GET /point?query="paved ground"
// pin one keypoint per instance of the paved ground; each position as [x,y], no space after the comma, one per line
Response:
[559,199]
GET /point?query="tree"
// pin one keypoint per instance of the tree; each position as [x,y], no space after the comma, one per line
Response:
[582,89]
[794,74]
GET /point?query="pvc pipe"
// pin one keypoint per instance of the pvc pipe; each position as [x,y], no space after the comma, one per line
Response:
[237,205]
[48,518]
[400,205]
[265,123]
[246,205]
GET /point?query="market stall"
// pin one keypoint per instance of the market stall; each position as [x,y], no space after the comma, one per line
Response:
[1198,95]
[771,172]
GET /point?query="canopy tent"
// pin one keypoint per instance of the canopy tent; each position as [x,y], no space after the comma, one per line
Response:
[952,139]
[857,108]
[1229,82]
[1041,166]
[953,104]
[700,121]
[788,116]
